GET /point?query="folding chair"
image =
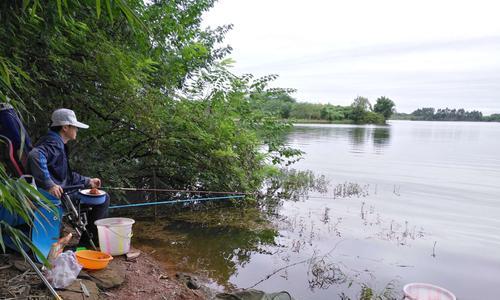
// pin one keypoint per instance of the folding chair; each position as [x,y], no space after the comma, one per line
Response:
[47,224]
[76,215]
[7,156]
[14,147]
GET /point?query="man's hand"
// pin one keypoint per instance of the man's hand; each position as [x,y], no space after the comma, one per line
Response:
[95,182]
[56,191]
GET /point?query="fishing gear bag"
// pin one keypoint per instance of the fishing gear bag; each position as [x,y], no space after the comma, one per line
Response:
[14,140]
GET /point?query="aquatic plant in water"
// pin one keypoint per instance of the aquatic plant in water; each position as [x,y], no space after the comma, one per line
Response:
[350,189]
[389,292]
[290,184]
[323,274]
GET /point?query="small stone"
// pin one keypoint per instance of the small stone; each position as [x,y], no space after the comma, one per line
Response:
[109,294]
[23,265]
[84,275]
[133,254]
[193,284]
[113,275]
[190,282]
[5,261]
[74,291]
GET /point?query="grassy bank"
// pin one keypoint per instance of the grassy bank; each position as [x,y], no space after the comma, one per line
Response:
[310,121]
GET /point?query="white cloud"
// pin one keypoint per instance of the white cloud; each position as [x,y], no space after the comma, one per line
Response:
[419,53]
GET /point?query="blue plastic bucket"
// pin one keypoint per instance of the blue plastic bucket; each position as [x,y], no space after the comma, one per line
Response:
[47,226]
[45,230]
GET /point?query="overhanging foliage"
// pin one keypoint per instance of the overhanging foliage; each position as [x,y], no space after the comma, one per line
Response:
[151,83]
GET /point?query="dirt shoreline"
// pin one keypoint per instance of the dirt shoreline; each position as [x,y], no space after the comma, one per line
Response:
[144,277]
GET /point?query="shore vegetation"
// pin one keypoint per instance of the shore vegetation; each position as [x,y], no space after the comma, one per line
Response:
[359,112]
[446,114]
[164,108]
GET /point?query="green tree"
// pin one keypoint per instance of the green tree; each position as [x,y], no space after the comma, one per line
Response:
[446,114]
[334,112]
[20,20]
[371,117]
[162,105]
[362,104]
[426,113]
[127,85]
[306,111]
[385,107]
[492,118]
[360,107]
[280,105]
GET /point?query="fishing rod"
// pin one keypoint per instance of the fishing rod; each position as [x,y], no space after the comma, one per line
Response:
[170,190]
[176,201]
[39,273]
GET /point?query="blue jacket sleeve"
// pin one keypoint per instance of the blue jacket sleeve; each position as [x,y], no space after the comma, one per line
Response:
[37,166]
[77,179]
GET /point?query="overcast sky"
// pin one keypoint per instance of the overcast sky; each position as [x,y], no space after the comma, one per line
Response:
[426,53]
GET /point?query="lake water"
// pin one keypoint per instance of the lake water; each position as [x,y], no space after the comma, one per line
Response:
[425,208]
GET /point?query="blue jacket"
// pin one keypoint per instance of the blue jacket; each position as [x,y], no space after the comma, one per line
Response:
[49,165]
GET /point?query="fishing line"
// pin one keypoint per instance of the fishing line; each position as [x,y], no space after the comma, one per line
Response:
[176,201]
[168,190]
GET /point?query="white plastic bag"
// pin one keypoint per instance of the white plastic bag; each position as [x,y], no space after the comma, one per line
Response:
[65,269]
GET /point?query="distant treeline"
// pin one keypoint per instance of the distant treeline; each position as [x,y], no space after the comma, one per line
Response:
[447,114]
[359,112]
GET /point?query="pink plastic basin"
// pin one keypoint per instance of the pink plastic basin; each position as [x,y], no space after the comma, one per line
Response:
[426,291]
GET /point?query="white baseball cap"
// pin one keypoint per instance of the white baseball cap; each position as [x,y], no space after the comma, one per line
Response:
[64,116]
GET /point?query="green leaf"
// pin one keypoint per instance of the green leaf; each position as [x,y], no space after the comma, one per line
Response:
[129,13]
[59,8]
[5,74]
[33,9]
[21,72]
[98,7]
[25,4]
[110,12]
[1,240]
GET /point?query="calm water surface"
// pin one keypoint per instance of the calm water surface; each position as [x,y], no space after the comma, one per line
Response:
[428,211]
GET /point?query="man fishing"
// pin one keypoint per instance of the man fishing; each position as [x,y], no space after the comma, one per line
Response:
[48,163]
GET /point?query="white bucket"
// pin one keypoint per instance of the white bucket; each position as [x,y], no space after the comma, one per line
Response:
[114,235]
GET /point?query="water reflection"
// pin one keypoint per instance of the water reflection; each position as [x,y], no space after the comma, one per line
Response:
[381,136]
[219,250]
[222,243]
[374,206]
[290,184]
[359,137]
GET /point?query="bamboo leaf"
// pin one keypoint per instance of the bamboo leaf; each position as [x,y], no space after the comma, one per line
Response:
[110,12]
[1,238]
[25,4]
[59,8]
[130,14]
[126,11]
[19,239]
[21,72]
[5,74]
[98,7]
[33,8]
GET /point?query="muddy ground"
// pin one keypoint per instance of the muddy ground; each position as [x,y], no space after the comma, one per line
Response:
[141,278]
